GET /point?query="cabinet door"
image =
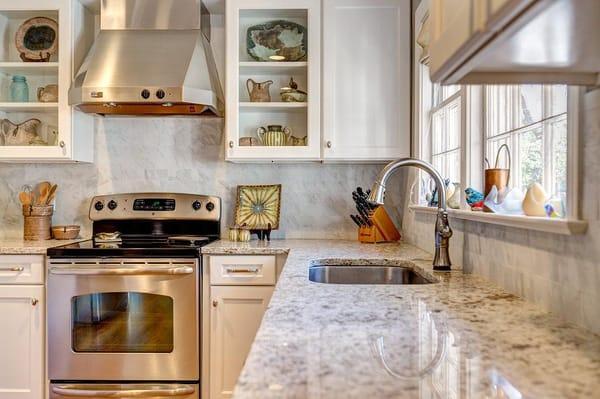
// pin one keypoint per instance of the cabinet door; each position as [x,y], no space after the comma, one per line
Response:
[451,29]
[236,313]
[366,79]
[22,342]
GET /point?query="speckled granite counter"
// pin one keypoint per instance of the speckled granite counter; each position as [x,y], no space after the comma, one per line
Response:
[22,247]
[461,337]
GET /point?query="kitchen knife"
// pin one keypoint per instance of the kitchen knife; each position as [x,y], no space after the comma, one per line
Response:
[364,213]
[356,220]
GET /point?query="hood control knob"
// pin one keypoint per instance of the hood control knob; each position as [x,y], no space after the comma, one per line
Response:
[99,205]
[160,94]
[210,206]
[196,205]
[112,205]
[145,94]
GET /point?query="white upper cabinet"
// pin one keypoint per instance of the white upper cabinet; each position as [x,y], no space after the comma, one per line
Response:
[356,73]
[298,124]
[515,41]
[366,79]
[60,133]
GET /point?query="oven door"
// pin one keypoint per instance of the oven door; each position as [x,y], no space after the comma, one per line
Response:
[123,320]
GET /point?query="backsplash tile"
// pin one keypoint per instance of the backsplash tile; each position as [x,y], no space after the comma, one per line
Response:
[186,155]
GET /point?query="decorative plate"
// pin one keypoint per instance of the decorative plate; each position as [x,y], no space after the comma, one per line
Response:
[277,41]
[37,39]
[258,206]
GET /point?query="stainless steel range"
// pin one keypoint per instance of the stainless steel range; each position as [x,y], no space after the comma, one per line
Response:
[124,308]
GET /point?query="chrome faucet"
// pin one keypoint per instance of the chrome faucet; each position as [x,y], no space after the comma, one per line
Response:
[443,232]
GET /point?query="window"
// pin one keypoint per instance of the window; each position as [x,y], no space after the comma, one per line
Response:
[532,121]
[442,126]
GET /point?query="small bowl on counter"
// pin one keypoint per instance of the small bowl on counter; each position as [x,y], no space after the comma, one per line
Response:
[69,232]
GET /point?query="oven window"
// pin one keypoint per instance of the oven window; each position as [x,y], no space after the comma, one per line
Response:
[129,322]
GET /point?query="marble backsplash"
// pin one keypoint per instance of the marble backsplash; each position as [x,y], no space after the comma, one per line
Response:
[186,155]
[559,273]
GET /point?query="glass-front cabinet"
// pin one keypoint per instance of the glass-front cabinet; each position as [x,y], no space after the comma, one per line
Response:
[273,80]
[40,48]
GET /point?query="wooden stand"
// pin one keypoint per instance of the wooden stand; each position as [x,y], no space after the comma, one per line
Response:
[382,229]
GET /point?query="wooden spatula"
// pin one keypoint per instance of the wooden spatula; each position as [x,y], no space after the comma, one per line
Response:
[25,198]
[41,192]
[51,194]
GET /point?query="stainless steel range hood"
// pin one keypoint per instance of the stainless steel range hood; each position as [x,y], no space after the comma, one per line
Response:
[151,57]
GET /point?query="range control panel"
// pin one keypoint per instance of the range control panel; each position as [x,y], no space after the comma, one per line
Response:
[155,206]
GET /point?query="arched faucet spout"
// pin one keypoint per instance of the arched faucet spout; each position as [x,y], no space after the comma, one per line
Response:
[443,232]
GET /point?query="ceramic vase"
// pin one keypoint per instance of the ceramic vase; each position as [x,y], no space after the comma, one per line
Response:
[535,198]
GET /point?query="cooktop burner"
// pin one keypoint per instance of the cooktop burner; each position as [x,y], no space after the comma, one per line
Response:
[167,225]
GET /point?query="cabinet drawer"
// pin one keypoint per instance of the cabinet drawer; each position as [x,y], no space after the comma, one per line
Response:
[22,269]
[242,270]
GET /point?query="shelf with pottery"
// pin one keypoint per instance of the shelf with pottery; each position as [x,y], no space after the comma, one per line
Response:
[274,67]
[273,101]
[29,107]
[29,68]
[37,123]
[285,106]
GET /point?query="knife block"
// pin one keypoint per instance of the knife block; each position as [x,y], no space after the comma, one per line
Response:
[382,230]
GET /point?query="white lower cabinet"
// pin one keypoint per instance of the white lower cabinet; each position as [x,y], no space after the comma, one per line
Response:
[236,313]
[22,341]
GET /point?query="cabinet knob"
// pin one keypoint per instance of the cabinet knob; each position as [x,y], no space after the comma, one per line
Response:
[329,144]
[61,144]
[34,301]
[231,144]
[215,303]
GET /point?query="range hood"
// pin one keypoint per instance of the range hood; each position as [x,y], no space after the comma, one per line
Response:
[151,57]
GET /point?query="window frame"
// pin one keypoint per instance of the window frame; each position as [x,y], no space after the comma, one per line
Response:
[473,149]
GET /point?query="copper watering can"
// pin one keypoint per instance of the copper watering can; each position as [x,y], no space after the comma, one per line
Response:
[499,177]
[259,91]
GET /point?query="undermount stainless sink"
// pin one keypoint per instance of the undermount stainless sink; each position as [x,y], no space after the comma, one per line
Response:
[365,274]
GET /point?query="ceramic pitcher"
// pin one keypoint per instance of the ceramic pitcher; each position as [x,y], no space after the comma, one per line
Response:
[259,92]
[274,135]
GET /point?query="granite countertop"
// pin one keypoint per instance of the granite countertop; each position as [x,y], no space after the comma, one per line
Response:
[460,337]
[22,247]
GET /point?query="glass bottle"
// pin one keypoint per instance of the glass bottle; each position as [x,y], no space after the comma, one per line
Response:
[19,90]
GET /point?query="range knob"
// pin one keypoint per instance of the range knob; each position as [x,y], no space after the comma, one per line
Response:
[210,206]
[146,94]
[99,205]
[112,205]
[196,205]
[160,94]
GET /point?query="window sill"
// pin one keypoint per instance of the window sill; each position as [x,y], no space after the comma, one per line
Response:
[556,226]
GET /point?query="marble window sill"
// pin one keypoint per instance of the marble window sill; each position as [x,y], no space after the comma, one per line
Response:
[556,226]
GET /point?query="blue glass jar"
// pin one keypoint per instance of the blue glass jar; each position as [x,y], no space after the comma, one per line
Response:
[19,90]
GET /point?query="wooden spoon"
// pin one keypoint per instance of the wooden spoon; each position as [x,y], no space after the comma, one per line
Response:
[41,192]
[51,194]
[25,198]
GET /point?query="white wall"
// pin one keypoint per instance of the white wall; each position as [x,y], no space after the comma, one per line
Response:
[560,273]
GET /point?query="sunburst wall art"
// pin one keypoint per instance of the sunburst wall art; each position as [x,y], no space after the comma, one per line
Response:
[258,206]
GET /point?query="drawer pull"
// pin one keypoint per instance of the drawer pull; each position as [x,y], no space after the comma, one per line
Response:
[17,269]
[245,269]
[215,303]
[34,301]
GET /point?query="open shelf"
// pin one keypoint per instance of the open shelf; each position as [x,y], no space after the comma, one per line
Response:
[29,107]
[29,68]
[265,67]
[273,106]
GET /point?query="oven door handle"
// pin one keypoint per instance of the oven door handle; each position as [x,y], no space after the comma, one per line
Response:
[137,392]
[121,271]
